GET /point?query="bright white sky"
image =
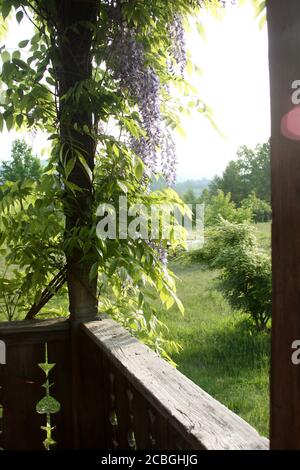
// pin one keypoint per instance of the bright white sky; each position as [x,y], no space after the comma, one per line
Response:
[235,83]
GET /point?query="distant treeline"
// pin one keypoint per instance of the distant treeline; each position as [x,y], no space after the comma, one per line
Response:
[248,173]
[197,186]
[245,184]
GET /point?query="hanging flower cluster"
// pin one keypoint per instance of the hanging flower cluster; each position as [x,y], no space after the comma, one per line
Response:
[177,35]
[143,85]
[168,157]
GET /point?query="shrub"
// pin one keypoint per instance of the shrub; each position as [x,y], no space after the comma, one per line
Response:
[245,278]
[261,210]
[245,270]
[221,207]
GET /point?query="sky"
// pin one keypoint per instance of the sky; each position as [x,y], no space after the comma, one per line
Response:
[234,83]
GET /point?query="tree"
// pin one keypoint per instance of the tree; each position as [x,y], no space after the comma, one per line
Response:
[23,164]
[244,269]
[250,172]
[222,207]
[87,65]
[245,278]
[231,182]
[261,210]
[189,197]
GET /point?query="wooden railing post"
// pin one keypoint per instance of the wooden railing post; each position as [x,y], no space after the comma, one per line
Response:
[284,59]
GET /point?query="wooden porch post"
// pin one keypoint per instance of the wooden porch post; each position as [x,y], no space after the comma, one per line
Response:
[75,52]
[74,49]
[284,60]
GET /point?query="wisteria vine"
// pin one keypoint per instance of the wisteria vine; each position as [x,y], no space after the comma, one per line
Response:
[143,85]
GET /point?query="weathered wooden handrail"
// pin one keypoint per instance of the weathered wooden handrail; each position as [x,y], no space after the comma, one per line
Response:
[149,396]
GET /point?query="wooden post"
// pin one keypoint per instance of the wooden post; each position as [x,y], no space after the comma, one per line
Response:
[284,59]
[74,49]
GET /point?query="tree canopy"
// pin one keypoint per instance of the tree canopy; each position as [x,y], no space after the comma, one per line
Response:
[23,164]
[250,172]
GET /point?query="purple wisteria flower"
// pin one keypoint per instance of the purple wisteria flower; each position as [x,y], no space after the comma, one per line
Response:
[143,85]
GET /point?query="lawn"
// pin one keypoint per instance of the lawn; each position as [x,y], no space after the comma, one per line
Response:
[221,353]
[263,233]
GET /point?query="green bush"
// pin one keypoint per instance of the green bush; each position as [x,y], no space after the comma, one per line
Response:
[261,210]
[221,207]
[245,270]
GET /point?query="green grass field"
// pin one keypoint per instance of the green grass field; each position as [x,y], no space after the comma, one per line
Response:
[263,233]
[221,352]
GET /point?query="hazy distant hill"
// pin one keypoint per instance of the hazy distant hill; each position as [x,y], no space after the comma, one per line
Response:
[182,187]
[196,185]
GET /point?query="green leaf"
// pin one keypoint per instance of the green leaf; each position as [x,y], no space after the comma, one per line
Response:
[5,56]
[50,81]
[262,21]
[181,131]
[6,7]
[23,43]
[179,304]
[201,30]
[9,120]
[261,5]
[1,123]
[19,16]
[139,169]
[123,187]
[93,272]
[35,39]
[69,166]
[19,119]
[72,186]
[116,150]
[85,166]
[16,55]
[21,64]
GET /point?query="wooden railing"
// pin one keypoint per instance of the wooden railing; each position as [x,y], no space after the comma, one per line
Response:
[21,383]
[115,393]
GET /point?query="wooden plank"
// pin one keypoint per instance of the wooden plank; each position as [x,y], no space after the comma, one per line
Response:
[124,409]
[201,421]
[111,424]
[89,399]
[21,384]
[31,326]
[142,425]
[284,60]
[1,407]
[35,331]
[59,353]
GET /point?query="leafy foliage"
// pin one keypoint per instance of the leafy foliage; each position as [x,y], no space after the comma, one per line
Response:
[221,207]
[23,164]
[31,239]
[261,210]
[245,278]
[189,197]
[107,108]
[250,172]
